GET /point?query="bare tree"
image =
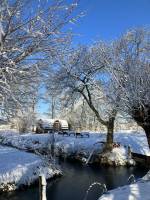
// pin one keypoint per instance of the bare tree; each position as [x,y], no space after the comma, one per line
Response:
[31,37]
[131,75]
[80,74]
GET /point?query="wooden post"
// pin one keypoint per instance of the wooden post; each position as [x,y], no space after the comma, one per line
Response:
[42,188]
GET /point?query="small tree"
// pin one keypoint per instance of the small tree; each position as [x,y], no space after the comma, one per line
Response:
[24,121]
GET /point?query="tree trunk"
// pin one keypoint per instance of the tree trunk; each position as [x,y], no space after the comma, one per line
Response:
[147,132]
[109,124]
[53,107]
[142,117]
[110,134]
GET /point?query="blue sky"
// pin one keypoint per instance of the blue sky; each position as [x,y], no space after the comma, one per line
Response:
[107,20]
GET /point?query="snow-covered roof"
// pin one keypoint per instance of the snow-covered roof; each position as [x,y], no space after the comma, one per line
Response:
[50,122]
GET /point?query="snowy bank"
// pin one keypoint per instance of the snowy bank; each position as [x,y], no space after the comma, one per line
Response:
[18,168]
[65,144]
[137,191]
[137,141]
[117,157]
[84,146]
[26,141]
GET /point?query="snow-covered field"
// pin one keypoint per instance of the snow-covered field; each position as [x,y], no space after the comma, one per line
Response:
[67,144]
[70,145]
[137,141]
[18,168]
[27,141]
[30,141]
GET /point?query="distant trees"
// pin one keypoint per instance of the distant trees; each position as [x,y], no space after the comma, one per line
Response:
[80,117]
[131,75]
[31,37]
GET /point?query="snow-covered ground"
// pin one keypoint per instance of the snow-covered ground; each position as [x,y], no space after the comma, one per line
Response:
[27,141]
[67,144]
[18,168]
[136,191]
[85,146]
[22,165]
[137,141]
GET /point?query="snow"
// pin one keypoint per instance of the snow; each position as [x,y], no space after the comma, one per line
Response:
[72,144]
[85,146]
[27,141]
[22,165]
[39,141]
[147,176]
[137,141]
[117,156]
[18,168]
[136,191]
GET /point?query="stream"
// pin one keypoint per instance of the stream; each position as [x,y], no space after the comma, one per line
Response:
[76,180]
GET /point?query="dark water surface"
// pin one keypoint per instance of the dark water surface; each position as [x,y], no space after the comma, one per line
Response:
[76,180]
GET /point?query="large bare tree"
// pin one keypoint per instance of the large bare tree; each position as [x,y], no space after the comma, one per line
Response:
[31,38]
[131,75]
[81,75]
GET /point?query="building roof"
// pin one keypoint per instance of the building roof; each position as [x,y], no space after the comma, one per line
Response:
[50,122]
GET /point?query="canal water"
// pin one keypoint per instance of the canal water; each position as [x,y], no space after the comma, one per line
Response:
[76,180]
